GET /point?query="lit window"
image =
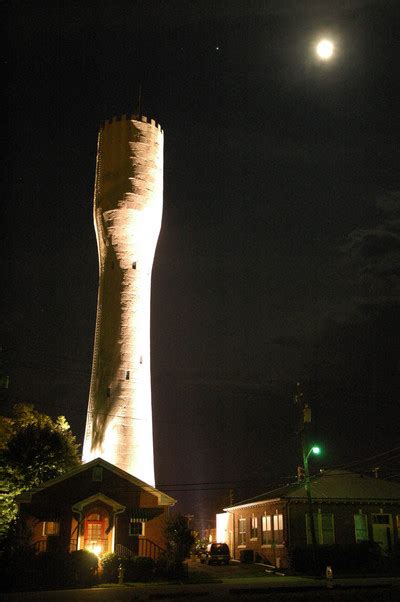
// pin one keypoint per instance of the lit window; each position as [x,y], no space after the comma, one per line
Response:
[136,528]
[242,531]
[324,528]
[266,530]
[97,473]
[253,527]
[278,528]
[51,527]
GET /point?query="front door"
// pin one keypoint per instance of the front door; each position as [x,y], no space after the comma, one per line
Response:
[95,540]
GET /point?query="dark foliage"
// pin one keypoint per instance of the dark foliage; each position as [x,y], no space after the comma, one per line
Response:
[139,568]
[110,564]
[346,558]
[23,570]
[33,449]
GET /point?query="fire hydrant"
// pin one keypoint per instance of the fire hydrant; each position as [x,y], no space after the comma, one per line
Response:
[121,573]
[329,577]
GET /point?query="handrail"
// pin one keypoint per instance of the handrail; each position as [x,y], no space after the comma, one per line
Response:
[146,547]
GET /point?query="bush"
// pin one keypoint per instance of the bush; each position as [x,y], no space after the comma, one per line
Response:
[341,557]
[167,567]
[84,567]
[24,570]
[139,568]
[53,569]
[110,564]
[19,571]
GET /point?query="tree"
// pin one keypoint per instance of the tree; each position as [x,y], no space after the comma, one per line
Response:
[34,448]
[179,539]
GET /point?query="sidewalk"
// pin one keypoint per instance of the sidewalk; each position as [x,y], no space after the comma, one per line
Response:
[235,588]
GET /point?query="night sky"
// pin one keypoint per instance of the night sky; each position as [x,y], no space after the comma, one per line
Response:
[279,255]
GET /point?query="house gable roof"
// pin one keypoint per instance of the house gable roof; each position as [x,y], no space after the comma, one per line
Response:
[332,485]
[98,497]
[163,498]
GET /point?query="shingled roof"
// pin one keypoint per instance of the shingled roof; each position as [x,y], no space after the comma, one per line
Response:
[333,485]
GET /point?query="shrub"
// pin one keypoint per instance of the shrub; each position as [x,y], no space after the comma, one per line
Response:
[167,567]
[84,567]
[19,570]
[110,564]
[139,568]
[54,569]
[341,557]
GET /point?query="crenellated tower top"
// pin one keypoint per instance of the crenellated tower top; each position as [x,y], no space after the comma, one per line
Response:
[133,117]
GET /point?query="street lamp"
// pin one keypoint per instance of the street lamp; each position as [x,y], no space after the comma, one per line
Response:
[316,450]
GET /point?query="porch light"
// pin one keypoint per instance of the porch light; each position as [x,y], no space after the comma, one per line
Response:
[96,549]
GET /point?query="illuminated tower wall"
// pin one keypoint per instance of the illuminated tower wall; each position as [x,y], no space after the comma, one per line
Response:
[127,218]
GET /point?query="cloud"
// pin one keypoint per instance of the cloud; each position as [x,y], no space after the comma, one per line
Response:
[375,254]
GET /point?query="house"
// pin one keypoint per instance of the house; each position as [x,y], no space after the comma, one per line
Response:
[347,508]
[97,507]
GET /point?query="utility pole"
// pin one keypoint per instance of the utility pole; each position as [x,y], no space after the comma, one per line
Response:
[305,419]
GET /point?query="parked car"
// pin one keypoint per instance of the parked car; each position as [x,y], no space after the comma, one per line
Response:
[215,553]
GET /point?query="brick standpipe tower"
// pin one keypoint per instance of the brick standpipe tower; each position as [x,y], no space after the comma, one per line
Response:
[127,217]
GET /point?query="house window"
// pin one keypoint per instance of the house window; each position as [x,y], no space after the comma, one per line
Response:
[242,531]
[253,527]
[133,265]
[127,375]
[136,528]
[97,473]
[266,530]
[380,519]
[278,528]
[324,528]
[51,527]
[361,527]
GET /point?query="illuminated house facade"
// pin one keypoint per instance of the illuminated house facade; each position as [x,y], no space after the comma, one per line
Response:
[97,507]
[127,217]
[348,508]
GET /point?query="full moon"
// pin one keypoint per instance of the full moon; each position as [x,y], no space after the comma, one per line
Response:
[325,49]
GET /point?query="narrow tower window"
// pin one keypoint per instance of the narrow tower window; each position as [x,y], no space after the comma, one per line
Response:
[133,265]
[108,391]
[127,375]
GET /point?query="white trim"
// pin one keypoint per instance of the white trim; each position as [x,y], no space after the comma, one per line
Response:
[116,506]
[233,508]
